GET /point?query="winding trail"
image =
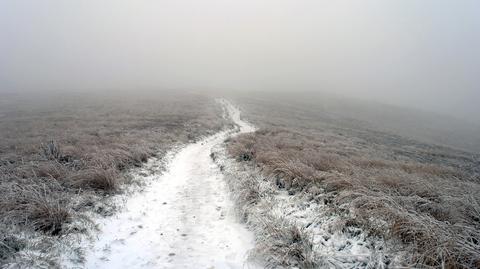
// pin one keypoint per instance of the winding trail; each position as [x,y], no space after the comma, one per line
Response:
[183,219]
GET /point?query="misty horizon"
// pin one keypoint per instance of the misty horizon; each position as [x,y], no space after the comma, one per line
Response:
[418,54]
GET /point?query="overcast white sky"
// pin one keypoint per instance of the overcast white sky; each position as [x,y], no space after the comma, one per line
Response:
[422,53]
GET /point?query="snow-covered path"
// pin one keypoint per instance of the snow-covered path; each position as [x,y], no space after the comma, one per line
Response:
[184,218]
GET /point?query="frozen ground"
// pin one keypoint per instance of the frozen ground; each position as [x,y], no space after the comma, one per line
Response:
[183,219]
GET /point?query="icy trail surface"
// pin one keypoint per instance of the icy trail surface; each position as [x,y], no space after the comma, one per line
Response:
[183,219]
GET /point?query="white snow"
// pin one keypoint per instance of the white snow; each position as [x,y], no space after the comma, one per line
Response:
[183,219]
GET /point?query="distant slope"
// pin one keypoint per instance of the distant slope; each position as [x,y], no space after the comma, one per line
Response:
[415,124]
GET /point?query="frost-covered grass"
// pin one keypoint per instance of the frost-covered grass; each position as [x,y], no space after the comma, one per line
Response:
[364,198]
[294,231]
[62,157]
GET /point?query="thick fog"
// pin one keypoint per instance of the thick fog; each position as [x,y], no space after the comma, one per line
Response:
[424,54]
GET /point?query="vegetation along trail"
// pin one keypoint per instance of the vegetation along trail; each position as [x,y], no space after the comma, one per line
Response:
[184,219]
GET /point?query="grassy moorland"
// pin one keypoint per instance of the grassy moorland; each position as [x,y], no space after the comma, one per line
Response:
[421,196]
[62,154]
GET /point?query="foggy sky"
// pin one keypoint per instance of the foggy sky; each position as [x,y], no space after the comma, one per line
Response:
[420,53]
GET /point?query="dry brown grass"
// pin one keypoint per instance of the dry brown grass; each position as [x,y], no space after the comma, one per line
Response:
[53,152]
[96,179]
[285,245]
[40,205]
[424,196]
[52,170]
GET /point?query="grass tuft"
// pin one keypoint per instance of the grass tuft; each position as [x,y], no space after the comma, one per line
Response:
[37,204]
[107,180]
